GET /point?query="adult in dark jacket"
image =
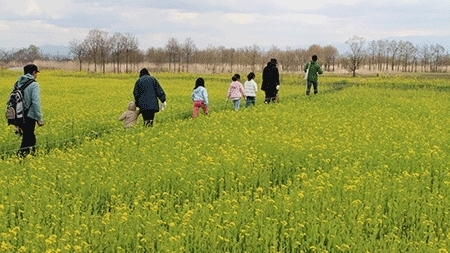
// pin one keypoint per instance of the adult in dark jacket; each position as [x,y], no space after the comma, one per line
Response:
[147,91]
[270,81]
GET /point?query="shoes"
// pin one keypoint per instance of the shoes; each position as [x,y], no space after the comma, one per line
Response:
[18,131]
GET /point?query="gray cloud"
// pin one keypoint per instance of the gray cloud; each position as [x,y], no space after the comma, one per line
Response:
[228,23]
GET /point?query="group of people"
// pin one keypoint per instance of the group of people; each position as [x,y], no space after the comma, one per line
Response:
[148,94]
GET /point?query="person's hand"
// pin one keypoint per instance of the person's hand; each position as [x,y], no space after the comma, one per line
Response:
[40,123]
[163,105]
[278,87]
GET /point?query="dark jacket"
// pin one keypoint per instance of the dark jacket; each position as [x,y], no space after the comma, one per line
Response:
[146,93]
[270,77]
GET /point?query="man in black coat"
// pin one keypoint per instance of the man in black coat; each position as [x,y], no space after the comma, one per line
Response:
[270,81]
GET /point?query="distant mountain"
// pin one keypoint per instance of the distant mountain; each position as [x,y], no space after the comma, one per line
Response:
[55,51]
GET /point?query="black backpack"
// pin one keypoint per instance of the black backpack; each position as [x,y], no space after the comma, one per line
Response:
[14,107]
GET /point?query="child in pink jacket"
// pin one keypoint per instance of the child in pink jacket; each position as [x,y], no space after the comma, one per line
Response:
[236,91]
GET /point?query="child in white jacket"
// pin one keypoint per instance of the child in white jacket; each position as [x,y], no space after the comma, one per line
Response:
[200,97]
[250,88]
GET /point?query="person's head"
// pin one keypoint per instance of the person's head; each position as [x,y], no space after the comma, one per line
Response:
[250,76]
[234,78]
[131,106]
[143,72]
[314,57]
[199,82]
[274,61]
[238,77]
[31,69]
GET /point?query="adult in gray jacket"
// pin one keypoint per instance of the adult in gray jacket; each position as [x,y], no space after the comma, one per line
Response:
[32,109]
[147,91]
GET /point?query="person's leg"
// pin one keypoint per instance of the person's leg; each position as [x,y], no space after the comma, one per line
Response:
[197,105]
[308,88]
[28,138]
[148,116]
[316,88]
[267,97]
[237,104]
[205,109]
[247,102]
[253,100]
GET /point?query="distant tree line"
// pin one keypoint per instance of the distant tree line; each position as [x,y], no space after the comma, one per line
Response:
[121,53]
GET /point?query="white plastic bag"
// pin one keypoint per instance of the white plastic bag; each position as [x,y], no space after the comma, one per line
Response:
[307,71]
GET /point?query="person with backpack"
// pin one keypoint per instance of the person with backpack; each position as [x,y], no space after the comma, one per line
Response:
[32,110]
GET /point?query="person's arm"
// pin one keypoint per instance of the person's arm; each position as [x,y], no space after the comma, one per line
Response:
[205,97]
[122,117]
[136,93]
[35,111]
[319,71]
[159,91]
[241,88]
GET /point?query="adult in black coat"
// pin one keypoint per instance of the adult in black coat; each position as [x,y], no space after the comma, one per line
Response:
[147,91]
[270,81]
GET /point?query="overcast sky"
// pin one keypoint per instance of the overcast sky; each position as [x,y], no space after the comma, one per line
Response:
[228,23]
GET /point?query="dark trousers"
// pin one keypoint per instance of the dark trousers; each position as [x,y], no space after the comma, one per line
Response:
[148,116]
[308,87]
[28,145]
[270,96]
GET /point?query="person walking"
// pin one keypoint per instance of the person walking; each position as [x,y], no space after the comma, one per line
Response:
[313,72]
[200,97]
[250,88]
[147,91]
[130,116]
[32,108]
[270,81]
[236,91]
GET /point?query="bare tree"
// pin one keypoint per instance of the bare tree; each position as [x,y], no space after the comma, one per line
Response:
[372,52]
[131,49]
[356,55]
[381,54]
[4,56]
[93,45]
[330,55]
[118,44]
[188,50]
[172,49]
[156,56]
[255,54]
[424,57]
[393,50]
[78,49]
[437,57]
[407,52]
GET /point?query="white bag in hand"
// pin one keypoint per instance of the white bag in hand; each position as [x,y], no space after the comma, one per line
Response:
[307,71]
[163,106]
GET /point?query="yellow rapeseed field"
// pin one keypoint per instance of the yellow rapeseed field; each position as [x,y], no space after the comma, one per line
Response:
[362,167]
